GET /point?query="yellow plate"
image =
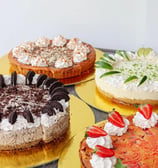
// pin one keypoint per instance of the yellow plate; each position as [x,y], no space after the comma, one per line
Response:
[81,116]
[70,154]
[5,69]
[88,92]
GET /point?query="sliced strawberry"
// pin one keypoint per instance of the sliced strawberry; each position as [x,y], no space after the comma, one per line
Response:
[116,119]
[95,132]
[103,151]
[145,110]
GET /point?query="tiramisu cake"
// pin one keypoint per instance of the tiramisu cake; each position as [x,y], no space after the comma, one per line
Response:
[59,57]
[33,109]
[129,78]
[121,142]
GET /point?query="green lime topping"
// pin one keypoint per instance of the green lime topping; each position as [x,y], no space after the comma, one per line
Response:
[144,78]
[108,57]
[109,73]
[130,79]
[144,51]
[104,65]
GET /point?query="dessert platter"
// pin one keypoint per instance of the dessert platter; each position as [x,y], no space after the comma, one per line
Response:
[68,60]
[122,142]
[38,116]
[123,80]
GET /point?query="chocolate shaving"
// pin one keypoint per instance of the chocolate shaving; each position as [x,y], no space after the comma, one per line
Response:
[49,81]
[58,89]
[59,96]
[40,79]
[49,110]
[14,78]
[28,116]
[29,77]
[12,117]
[2,83]
[56,105]
[55,85]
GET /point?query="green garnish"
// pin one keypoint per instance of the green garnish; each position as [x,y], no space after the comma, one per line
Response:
[144,78]
[119,164]
[119,53]
[130,79]
[104,59]
[105,65]
[109,73]
[126,55]
[107,56]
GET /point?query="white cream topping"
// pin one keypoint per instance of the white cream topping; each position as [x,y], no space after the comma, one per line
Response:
[142,122]
[103,141]
[42,42]
[63,62]
[59,41]
[114,130]
[28,46]
[99,162]
[139,66]
[39,61]
[72,44]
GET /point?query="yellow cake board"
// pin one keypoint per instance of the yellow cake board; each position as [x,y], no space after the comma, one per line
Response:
[88,92]
[70,154]
[5,69]
[81,116]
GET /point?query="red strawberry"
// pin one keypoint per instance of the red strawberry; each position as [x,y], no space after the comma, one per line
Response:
[145,110]
[103,151]
[95,132]
[116,119]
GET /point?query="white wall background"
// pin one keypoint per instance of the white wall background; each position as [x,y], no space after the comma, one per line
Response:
[112,24]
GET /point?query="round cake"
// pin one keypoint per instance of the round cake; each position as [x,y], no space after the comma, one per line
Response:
[129,78]
[129,142]
[33,109]
[59,58]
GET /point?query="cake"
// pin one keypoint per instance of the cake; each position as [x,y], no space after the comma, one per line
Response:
[127,77]
[59,58]
[33,109]
[133,142]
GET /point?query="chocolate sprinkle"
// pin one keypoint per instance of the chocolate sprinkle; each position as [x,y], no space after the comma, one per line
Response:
[2,83]
[58,89]
[49,81]
[29,77]
[28,116]
[59,96]
[49,110]
[14,78]
[54,85]
[56,105]
[12,117]
[40,79]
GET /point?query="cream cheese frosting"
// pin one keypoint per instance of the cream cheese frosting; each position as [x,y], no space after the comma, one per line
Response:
[99,162]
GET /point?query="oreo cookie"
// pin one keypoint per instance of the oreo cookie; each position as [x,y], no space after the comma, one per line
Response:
[49,81]
[40,79]
[55,85]
[12,117]
[29,77]
[49,110]
[14,78]
[58,89]
[56,105]
[2,83]
[28,116]
[59,96]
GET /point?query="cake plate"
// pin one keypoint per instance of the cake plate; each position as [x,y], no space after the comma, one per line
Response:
[81,116]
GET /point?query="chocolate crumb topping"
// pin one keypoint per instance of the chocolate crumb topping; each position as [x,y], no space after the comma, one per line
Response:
[40,79]
[54,85]
[29,77]
[14,78]
[2,83]
[12,117]
[59,96]
[58,89]
[28,116]
[49,81]
[56,105]
[49,110]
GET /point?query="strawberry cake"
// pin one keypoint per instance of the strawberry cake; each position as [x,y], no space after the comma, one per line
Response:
[33,109]
[122,142]
[59,58]
[127,77]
